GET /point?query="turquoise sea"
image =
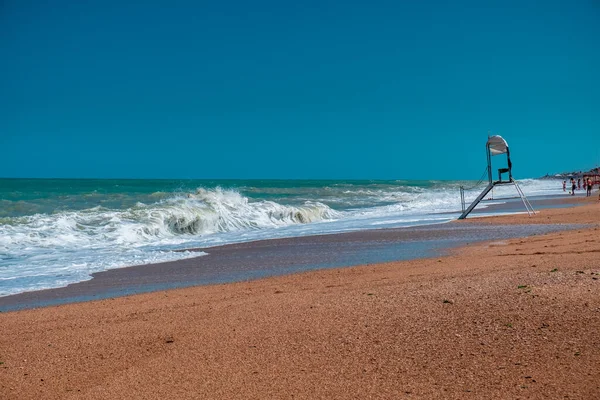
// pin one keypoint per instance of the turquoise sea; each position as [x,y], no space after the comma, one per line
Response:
[59,231]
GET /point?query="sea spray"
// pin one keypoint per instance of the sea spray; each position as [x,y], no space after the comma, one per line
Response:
[56,232]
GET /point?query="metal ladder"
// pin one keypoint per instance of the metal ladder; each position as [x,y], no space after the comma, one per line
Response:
[485,191]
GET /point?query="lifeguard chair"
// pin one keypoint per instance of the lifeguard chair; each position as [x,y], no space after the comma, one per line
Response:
[496,145]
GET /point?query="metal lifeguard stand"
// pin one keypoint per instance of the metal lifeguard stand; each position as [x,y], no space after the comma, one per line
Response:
[495,146]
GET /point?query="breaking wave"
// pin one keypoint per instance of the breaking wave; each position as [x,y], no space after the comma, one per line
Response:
[201,213]
[74,229]
[75,244]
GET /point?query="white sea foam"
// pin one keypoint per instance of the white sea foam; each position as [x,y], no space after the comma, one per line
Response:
[41,250]
[54,249]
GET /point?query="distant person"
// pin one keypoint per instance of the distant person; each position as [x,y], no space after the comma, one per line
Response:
[589,187]
[564,186]
[584,183]
[573,186]
[579,184]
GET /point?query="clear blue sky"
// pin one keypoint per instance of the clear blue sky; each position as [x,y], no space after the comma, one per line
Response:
[307,89]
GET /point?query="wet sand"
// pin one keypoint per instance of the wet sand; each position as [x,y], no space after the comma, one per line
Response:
[254,260]
[511,318]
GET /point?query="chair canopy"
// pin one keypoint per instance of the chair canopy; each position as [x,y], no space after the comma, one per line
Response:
[497,145]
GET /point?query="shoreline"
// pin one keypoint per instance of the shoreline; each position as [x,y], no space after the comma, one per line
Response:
[273,257]
[514,318]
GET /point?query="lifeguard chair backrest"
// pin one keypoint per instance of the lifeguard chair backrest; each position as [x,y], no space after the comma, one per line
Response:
[496,145]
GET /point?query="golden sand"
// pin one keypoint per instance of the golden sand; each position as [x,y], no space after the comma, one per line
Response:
[502,320]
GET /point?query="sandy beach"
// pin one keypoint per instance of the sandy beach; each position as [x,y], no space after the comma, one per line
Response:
[514,318]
